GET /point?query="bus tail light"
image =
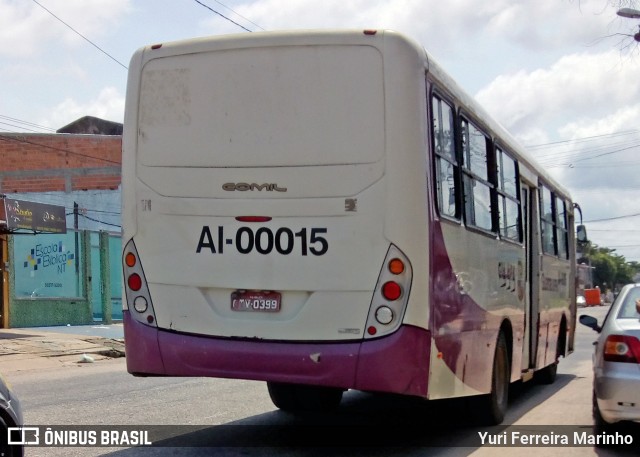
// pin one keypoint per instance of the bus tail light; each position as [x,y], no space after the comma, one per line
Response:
[138,300]
[130,259]
[134,282]
[391,290]
[396,266]
[622,348]
[390,296]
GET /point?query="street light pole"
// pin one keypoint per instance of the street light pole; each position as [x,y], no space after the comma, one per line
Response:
[630,13]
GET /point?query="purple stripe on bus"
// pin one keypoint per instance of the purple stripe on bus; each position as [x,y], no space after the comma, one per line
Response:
[465,334]
[141,347]
[398,363]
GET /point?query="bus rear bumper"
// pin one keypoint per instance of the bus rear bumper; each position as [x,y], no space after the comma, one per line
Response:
[398,363]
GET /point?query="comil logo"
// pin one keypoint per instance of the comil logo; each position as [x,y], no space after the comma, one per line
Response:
[244,187]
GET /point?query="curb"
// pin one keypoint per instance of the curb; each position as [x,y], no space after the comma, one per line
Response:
[23,349]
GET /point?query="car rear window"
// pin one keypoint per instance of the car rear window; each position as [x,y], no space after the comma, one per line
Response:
[628,310]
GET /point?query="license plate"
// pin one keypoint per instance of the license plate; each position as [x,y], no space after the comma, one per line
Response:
[256,301]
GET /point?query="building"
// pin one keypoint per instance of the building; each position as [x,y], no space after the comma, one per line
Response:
[77,168]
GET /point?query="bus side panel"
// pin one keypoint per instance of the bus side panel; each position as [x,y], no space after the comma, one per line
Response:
[555,299]
[472,297]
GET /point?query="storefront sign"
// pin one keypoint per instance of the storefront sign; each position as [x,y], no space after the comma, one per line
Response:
[34,217]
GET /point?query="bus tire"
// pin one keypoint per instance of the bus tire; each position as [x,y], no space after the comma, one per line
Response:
[7,450]
[300,398]
[490,409]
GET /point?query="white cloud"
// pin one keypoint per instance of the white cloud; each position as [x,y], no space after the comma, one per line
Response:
[27,29]
[586,106]
[109,105]
[586,87]
[530,24]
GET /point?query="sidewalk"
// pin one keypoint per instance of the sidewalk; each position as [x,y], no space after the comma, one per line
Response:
[36,348]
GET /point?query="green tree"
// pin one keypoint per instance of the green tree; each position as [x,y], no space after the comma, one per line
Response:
[610,269]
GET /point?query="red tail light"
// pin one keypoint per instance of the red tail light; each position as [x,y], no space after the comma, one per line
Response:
[134,282]
[391,290]
[390,296]
[621,348]
[253,218]
[138,298]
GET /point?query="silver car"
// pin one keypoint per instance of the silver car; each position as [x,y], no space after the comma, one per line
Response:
[10,416]
[616,361]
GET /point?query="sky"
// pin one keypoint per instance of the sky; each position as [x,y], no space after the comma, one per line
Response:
[561,75]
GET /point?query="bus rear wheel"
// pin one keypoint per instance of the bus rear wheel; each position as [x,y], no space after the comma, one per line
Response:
[300,398]
[490,409]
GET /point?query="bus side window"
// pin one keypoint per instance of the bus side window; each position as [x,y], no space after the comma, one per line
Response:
[475,174]
[553,224]
[508,203]
[445,157]
[562,235]
[547,225]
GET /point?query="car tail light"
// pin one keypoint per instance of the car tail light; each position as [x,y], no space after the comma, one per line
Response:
[138,300]
[622,348]
[390,296]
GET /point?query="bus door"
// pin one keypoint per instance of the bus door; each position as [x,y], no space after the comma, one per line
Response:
[532,298]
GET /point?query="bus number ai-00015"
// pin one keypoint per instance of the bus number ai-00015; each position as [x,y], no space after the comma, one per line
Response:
[265,241]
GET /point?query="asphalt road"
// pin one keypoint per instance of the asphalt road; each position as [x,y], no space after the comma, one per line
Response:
[237,418]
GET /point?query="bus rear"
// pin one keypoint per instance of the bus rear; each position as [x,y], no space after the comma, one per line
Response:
[265,226]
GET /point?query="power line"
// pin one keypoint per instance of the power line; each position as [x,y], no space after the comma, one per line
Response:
[19,121]
[83,37]
[16,126]
[238,14]
[575,153]
[614,230]
[613,218]
[579,140]
[100,222]
[219,14]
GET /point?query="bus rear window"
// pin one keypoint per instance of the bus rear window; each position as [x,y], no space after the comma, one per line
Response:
[291,106]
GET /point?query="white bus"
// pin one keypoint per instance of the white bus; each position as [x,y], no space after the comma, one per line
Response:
[328,210]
